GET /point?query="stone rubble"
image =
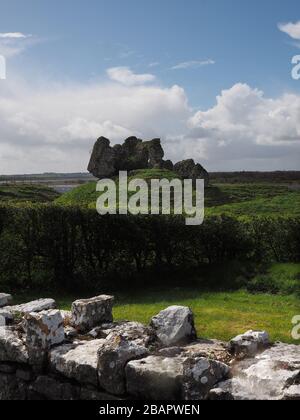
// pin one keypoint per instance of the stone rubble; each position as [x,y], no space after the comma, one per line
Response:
[47,354]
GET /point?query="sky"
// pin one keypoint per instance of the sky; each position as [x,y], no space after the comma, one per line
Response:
[211,78]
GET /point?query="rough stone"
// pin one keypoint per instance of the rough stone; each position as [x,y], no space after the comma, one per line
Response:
[90,313]
[12,348]
[219,394]
[5,317]
[132,331]
[113,355]
[77,361]
[210,349]
[292,393]
[271,375]
[71,333]
[107,161]
[34,306]
[200,376]
[67,317]
[250,343]
[188,169]
[5,299]
[155,378]
[44,329]
[174,325]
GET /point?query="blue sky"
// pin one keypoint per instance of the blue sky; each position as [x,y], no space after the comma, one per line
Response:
[202,46]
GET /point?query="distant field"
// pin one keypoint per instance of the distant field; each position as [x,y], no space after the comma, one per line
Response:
[274,193]
[26,193]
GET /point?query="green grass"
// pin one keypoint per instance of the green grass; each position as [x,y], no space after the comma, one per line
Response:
[279,278]
[18,193]
[217,315]
[237,200]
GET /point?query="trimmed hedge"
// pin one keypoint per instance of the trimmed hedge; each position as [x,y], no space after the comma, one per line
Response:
[63,248]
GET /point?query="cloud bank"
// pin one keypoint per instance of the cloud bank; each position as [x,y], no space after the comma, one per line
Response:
[53,128]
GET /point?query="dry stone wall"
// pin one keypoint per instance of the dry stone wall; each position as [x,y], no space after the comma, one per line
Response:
[48,354]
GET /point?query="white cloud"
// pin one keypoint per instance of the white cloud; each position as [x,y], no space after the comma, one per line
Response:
[193,64]
[14,35]
[245,126]
[292,29]
[14,43]
[127,77]
[53,129]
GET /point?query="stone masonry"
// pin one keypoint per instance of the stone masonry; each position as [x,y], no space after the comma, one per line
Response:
[48,354]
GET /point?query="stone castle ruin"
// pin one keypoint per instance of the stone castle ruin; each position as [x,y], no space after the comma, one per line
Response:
[48,354]
[106,161]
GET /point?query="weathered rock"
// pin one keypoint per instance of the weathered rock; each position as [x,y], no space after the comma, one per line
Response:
[67,317]
[132,331]
[90,313]
[102,162]
[250,343]
[155,378]
[77,361]
[200,376]
[174,325]
[188,169]
[12,348]
[219,394]
[210,349]
[34,306]
[71,333]
[107,161]
[44,329]
[56,390]
[271,375]
[113,355]
[5,299]
[5,317]
[292,393]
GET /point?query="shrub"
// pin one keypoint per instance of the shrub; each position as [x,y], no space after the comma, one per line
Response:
[60,247]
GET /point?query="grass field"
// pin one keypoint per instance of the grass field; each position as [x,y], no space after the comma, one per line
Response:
[18,193]
[239,200]
[217,315]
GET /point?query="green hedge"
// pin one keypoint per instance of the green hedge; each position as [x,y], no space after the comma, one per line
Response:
[64,248]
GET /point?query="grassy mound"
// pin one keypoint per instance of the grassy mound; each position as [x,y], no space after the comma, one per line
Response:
[86,195]
[238,200]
